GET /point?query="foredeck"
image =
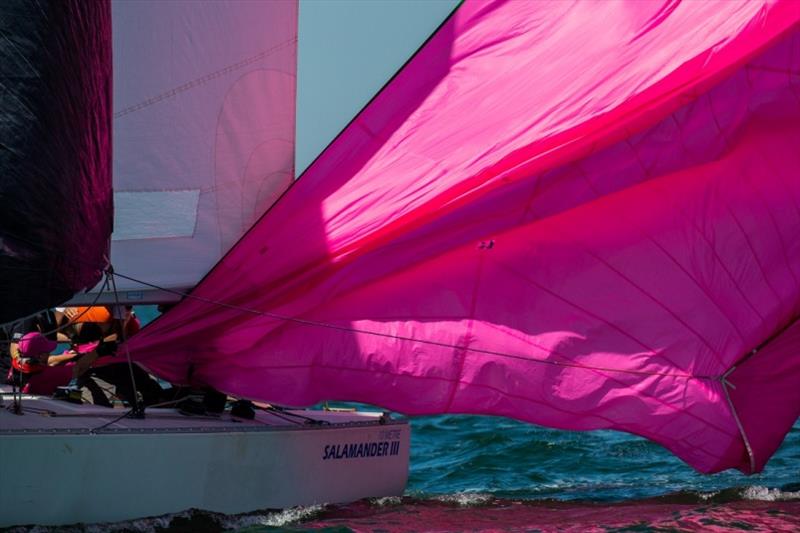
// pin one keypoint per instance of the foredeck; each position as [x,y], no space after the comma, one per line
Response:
[46,415]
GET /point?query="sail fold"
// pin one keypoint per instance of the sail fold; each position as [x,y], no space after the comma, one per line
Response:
[578,215]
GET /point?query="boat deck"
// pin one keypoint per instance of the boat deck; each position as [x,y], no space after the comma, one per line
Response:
[46,415]
[168,462]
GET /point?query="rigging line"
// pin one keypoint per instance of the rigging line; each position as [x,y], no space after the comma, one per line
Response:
[17,402]
[794,320]
[306,322]
[169,402]
[59,328]
[137,405]
[113,421]
[277,414]
[725,384]
[73,320]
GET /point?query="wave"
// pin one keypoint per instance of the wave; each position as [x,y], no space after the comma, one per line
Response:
[745,504]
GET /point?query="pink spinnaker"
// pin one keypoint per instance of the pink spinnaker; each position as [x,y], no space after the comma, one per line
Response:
[579,215]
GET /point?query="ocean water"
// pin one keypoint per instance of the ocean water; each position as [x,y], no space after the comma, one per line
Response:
[471,473]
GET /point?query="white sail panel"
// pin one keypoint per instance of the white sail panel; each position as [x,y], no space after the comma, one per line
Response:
[149,215]
[204,122]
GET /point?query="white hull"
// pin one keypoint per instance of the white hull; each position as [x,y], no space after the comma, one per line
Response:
[56,472]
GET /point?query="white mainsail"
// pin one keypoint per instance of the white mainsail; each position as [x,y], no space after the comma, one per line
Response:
[204,118]
[203,130]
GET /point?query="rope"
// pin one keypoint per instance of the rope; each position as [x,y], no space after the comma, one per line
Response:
[69,323]
[16,401]
[725,384]
[313,323]
[138,408]
[170,402]
[114,421]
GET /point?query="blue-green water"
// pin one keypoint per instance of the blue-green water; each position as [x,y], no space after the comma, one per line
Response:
[508,459]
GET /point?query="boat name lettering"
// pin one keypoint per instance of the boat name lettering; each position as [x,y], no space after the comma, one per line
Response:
[361,449]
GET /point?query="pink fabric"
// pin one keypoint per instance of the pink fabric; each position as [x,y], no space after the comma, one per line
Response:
[34,343]
[87,347]
[766,394]
[52,377]
[579,215]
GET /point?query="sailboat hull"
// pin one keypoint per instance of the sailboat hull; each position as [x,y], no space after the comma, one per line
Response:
[57,470]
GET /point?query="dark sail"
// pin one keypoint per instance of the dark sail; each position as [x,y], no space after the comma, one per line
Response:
[55,150]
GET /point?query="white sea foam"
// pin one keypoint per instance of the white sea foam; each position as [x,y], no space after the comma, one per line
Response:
[387,501]
[765,494]
[466,499]
[233,522]
[277,519]
[143,524]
